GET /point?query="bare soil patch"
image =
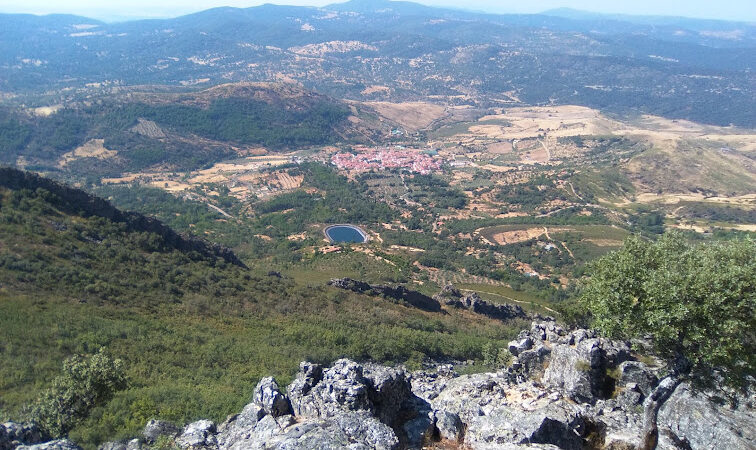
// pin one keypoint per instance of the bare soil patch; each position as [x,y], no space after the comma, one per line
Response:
[500,148]
[411,115]
[94,148]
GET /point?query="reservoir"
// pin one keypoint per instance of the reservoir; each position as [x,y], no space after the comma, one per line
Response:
[345,233]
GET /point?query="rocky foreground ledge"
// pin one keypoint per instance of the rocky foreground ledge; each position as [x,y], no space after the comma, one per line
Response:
[563,390]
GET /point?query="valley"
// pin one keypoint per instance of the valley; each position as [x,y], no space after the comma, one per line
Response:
[569,182]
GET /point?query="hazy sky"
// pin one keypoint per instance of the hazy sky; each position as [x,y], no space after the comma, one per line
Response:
[122,9]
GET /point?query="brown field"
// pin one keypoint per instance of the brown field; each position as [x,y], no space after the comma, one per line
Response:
[605,242]
[675,157]
[94,148]
[526,234]
[44,111]
[538,154]
[500,148]
[375,89]
[243,177]
[411,115]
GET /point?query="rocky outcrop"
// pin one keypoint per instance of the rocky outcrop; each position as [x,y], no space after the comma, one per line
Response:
[694,420]
[453,297]
[448,295]
[580,371]
[347,405]
[155,429]
[58,444]
[270,398]
[564,390]
[396,293]
[13,434]
[198,435]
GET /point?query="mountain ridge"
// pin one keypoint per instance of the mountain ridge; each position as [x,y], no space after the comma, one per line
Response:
[76,201]
[415,52]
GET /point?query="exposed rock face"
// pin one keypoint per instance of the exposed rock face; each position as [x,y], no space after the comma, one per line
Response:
[448,295]
[637,376]
[270,398]
[451,296]
[694,420]
[493,411]
[157,428]
[59,444]
[398,293]
[13,434]
[339,407]
[474,303]
[367,406]
[198,435]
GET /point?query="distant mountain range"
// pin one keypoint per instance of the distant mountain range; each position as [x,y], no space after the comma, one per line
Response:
[381,50]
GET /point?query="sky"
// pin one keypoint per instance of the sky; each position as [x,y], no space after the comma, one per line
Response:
[743,10]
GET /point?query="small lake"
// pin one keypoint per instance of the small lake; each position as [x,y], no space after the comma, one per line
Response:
[345,233]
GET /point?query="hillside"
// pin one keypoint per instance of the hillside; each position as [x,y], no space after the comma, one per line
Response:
[402,51]
[195,332]
[132,129]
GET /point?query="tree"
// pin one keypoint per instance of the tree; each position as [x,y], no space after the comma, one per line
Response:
[696,302]
[84,384]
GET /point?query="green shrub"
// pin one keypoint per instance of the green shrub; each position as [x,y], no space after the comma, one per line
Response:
[85,383]
[583,366]
[495,357]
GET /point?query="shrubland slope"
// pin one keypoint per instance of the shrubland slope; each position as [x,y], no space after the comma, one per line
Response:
[195,331]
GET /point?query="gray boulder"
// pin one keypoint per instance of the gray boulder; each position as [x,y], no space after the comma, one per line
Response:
[449,426]
[419,430]
[157,428]
[494,412]
[577,371]
[520,345]
[58,444]
[556,424]
[136,444]
[309,375]
[638,375]
[13,434]
[427,384]
[342,387]
[270,398]
[619,426]
[199,435]
[529,363]
[389,389]
[581,371]
[356,430]
[238,427]
[695,420]
[363,428]
[112,446]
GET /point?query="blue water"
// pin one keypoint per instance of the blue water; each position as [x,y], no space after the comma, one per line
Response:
[344,233]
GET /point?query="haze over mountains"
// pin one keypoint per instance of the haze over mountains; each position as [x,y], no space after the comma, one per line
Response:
[377,50]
